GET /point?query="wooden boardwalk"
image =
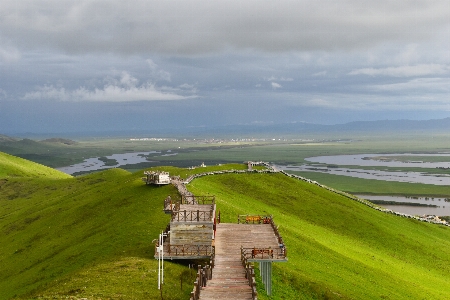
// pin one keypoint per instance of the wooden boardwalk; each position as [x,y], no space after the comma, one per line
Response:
[193,234]
[228,276]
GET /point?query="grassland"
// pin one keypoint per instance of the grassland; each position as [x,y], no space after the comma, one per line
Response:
[86,237]
[91,236]
[12,166]
[338,249]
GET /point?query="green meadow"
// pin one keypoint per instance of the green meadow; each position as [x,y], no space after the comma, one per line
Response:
[91,237]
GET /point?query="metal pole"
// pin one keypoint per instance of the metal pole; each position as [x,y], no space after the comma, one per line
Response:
[159,262]
[162,258]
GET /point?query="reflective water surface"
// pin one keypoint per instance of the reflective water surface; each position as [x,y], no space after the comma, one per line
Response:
[92,164]
[442,204]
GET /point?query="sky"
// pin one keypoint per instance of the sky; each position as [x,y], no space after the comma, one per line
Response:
[93,65]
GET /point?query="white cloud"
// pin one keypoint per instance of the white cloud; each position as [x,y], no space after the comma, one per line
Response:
[125,89]
[276,85]
[158,73]
[404,71]
[9,54]
[367,103]
[273,78]
[320,74]
[424,85]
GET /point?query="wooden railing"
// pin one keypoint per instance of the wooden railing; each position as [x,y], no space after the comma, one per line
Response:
[249,274]
[192,216]
[203,275]
[258,253]
[170,204]
[267,219]
[189,250]
[254,219]
[279,238]
[191,199]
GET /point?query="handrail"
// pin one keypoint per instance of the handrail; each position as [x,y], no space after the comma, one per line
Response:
[261,253]
[265,219]
[203,275]
[249,274]
[254,219]
[192,199]
[189,250]
[279,238]
[192,216]
[170,204]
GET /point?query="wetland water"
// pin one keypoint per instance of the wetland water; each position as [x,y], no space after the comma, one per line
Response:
[442,205]
[92,164]
[331,165]
[323,163]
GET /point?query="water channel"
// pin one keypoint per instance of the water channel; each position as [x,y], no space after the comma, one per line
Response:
[331,165]
[434,206]
[94,163]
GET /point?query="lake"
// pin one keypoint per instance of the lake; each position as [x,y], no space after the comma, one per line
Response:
[442,205]
[363,160]
[93,164]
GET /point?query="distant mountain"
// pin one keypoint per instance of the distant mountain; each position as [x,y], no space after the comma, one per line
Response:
[5,138]
[259,130]
[300,128]
[397,125]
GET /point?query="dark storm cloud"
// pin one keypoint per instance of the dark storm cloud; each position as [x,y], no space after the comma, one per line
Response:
[200,26]
[123,64]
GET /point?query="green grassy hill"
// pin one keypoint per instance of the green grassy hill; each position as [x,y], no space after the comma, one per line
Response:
[337,247]
[91,237]
[11,166]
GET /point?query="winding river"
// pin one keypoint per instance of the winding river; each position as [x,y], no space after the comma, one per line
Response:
[94,163]
[331,165]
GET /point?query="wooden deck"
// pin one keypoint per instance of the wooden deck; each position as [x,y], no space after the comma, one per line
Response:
[191,232]
[191,235]
[228,276]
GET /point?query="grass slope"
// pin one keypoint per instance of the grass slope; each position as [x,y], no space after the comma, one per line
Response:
[90,237]
[338,248]
[11,166]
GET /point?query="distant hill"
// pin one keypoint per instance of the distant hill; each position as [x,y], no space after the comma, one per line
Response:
[271,129]
[301,129]
[5,138]
[381,126]
[397,125]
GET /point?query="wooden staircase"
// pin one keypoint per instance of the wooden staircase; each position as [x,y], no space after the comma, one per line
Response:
[228,276]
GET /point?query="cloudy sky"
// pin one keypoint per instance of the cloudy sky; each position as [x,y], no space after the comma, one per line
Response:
[92,65]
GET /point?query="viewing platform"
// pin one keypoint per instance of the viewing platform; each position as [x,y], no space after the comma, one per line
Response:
[195,233]
[156,178]
[191,231]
